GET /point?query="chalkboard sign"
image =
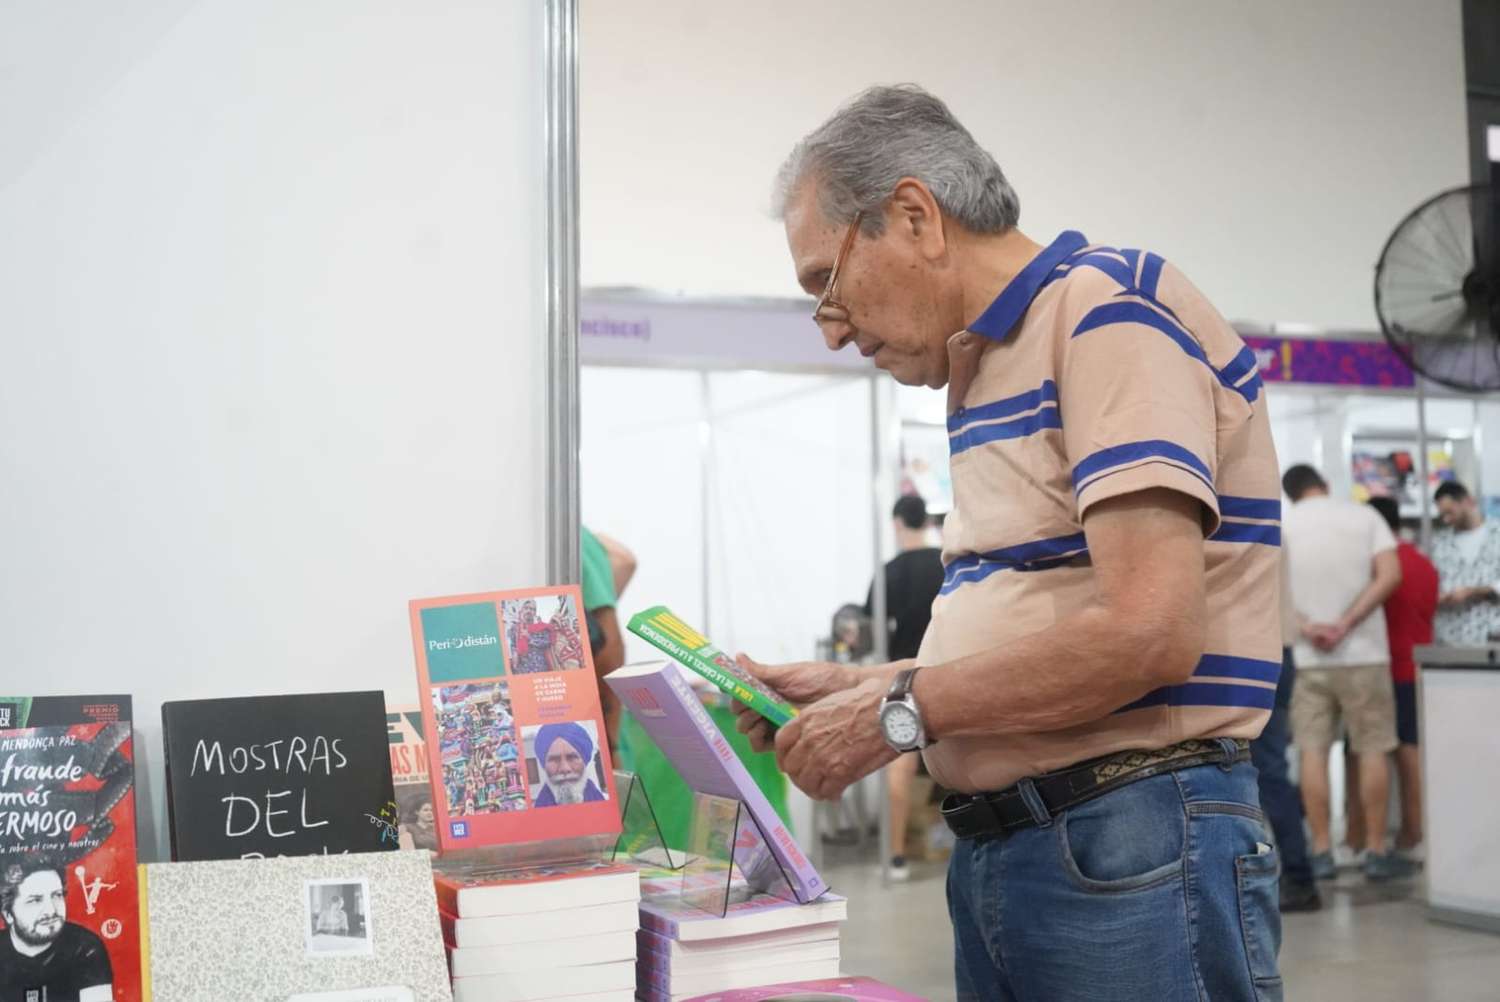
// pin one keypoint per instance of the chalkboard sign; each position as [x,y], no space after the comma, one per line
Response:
[292,775]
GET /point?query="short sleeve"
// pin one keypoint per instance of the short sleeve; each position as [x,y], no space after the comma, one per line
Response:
[94,967]
[598,575]
[1381,538]
[1136,397]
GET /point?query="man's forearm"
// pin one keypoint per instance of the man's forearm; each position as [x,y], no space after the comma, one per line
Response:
[1078,670]
[1373,597]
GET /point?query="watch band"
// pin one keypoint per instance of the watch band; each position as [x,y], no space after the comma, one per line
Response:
[902,683]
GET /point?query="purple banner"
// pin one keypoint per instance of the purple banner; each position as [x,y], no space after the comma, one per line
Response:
[1330,362]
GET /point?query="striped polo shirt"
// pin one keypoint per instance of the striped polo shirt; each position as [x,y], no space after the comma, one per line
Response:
[1099,372]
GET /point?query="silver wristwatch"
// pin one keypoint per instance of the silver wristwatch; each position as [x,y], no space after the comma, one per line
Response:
[900,717]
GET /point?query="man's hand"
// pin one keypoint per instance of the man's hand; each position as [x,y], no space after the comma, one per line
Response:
[1325,636]
[1459,597]
[836,741]
[801,684]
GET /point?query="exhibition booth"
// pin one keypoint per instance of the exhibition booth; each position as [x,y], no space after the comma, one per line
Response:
[328,326]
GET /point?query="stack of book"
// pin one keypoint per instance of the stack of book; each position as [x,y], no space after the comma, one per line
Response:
[756,938]
[760,940]
[566,931]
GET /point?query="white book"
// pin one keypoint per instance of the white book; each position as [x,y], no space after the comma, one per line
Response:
[804,953]
[687,986]
[675,919]
[486,892]
[577,951]
[506,930]
[530,986]
[755,942]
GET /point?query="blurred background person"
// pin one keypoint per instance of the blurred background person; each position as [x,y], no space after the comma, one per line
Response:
[1409,615]
[1343,567]
[912,580]
[1279,796]
[1466,552]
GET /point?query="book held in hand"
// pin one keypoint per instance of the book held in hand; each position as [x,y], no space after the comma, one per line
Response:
[517,750]
[670,711]
[285,775]
[68,849]
[674,638]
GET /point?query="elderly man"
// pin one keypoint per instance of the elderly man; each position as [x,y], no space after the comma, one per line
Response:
[1106,638]
[42,954]
[566,754]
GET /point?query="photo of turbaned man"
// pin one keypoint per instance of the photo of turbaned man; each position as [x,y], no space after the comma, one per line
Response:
[563,765]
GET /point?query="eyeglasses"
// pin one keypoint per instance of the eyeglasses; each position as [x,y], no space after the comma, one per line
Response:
[828,309]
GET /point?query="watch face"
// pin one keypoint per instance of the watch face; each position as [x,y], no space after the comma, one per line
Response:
[900,725]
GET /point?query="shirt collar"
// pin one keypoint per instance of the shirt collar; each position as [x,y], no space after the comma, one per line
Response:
[997,321]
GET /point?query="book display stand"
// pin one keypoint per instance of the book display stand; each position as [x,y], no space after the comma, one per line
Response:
[641,842]
[725,837]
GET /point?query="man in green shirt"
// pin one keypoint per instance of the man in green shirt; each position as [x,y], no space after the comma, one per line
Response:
[606,568]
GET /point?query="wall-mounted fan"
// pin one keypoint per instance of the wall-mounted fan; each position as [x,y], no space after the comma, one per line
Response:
[1437,289]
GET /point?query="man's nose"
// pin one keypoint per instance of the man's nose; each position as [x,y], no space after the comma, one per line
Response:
[837,333]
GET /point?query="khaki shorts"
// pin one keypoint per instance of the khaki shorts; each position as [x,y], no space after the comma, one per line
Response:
[1361,695]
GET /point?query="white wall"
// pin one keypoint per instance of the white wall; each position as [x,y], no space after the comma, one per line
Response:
[1268,149]
[271,338]
[789,483]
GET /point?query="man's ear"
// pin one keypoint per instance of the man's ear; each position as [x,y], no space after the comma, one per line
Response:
[915,215]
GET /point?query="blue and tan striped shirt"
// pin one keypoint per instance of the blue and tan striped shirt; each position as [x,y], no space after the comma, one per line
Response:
[1097,373]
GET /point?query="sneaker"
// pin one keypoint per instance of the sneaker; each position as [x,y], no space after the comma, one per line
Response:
[1323,867]
[1387,866]
[1416,856]
[898,871]
[1299,896]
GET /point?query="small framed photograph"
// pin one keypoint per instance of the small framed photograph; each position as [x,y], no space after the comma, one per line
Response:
[338,917]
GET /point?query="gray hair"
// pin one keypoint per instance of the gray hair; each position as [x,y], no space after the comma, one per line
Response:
[885,134]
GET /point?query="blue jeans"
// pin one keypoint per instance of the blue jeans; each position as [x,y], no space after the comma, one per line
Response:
[1164,889]
[1278,794]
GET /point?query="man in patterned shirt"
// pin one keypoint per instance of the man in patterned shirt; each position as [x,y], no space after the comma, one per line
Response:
[1106,638]
[1466,553]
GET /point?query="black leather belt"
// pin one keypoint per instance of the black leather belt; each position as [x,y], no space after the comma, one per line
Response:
[973,814]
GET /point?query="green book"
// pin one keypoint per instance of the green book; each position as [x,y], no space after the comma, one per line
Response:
[691,649]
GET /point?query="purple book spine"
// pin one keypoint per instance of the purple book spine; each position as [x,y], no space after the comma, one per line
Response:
[668,708]
[653,949]
[652,980]
[661,925]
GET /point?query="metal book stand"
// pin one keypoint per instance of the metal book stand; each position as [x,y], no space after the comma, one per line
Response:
[725,842]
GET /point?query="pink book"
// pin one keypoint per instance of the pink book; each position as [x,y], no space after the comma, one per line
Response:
[510,711]
[846,989]
[670,711]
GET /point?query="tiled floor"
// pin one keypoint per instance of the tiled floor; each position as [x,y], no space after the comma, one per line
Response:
[1366,945]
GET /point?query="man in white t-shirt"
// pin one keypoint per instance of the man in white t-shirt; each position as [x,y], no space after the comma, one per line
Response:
[1466,553]
[1343,565]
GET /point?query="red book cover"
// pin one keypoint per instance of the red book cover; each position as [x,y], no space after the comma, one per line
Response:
[67,850]
[510,711]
